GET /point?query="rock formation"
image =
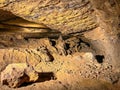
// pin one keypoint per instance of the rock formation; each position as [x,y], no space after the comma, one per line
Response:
[52,32]
[96,20]
[16,74]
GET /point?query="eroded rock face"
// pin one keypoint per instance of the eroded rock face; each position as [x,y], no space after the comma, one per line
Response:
[80,38]
[97,21]
[16,74]
[64,16]
[81,65]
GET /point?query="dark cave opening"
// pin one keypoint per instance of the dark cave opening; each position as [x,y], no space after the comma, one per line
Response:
[99,58]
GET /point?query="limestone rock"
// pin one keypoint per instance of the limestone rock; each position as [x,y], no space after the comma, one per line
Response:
[18,73]
[96,20]
[65,16]
[88,56]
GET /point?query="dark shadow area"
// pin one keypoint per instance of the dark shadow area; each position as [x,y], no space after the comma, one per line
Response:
[99,58]
[44,76]
[51,35]
[53,42]
[67,46]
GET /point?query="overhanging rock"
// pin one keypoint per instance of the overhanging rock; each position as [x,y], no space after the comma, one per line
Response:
[98,21]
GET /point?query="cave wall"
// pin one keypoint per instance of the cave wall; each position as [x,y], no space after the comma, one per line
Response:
[97,21]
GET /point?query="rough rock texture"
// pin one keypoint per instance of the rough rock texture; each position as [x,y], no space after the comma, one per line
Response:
[40,50]
[64,71]
[75,40]
[64,15]
[16,74]
[101,18]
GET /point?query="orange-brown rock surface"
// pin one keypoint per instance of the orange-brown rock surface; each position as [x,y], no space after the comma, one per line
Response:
[100,18]
[69,42]
[18,73]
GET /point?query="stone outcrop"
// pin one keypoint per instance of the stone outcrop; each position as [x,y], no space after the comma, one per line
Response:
[16,74]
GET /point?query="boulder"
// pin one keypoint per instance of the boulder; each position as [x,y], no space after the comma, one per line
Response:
[16,74]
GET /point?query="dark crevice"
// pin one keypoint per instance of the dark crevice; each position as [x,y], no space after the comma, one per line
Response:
[44,76]
[67,46]
[99,58]
[53,43]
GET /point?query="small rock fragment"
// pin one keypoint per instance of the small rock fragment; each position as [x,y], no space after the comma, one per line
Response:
[88,56]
